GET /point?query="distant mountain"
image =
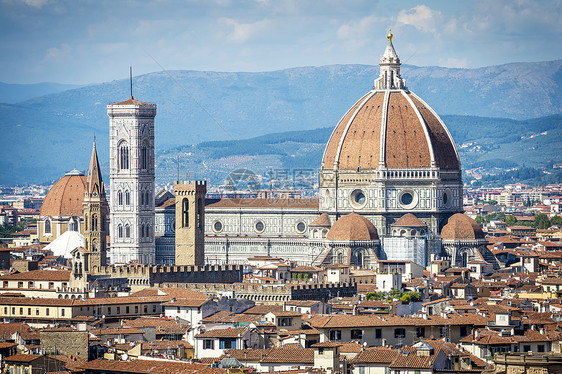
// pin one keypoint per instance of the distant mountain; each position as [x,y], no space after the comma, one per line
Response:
[487,143]
[47,135]
[15,93]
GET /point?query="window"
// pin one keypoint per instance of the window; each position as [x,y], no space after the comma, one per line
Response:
[185,213]
[120,197]
[227,344]
[127,198]
[120,231]
[420,332]
[109,310]
[62,312]
[208,344]
[47,229]
[94,223]
[259,226]
[72,225]
[443,331]
[126,310]
[153,308]
[378,333]
[127,231]
[118,310]
[356,334]
[136,309]
[217,226]
[464,331]
[5,310]
[145,309]
[144,157]
[400,333]
[335,335]
[123,156]
[200,220]
[526,348]
[36,311]
[540,348]
[28,311]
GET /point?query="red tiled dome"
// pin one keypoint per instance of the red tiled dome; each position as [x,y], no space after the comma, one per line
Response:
[401,132]
[66,196]
[353,226]
[461,226]
[409,220]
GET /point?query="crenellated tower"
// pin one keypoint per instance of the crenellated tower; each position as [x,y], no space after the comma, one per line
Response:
[190,222]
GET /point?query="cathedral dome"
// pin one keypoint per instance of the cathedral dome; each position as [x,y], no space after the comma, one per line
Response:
[462,227]
[390,127]
[353,226]
[66,196]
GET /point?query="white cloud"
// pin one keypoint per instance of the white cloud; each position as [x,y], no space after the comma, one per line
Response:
[422,18]
[241,32]
[35,3]
[358,34]
[452,62]
[56,53]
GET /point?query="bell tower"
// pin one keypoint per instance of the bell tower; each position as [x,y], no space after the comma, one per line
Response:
[131,159]
[190,222]
[95,210]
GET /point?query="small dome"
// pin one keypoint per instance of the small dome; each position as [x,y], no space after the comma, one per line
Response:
[322,221]
[66,196]
[462,227]
[409,220]
[353,226]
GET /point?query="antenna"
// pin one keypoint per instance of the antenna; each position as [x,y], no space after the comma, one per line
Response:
[131,79]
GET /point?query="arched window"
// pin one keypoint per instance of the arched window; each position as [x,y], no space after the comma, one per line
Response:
[144,156]
[94,223]
[148,231]
[123,156]
[72,225]
[120,231]
[127,231]
[185,213]
[47,229]
[120,197]
[200,213]
[142,230]
[127,198]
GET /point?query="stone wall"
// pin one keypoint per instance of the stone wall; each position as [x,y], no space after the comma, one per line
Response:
[65,341]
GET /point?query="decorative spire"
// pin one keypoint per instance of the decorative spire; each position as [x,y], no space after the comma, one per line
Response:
[390,78]
[95,182]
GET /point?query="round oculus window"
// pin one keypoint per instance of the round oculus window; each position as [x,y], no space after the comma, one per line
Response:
[217,226]
[301,226]
[259,226]
[358,199]
[406,198]
[447,198]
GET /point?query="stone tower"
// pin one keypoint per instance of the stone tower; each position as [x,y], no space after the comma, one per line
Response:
[190,222]
[131,129]
[95,210]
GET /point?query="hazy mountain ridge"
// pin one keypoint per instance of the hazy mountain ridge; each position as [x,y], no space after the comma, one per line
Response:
[15,93]
[47,135]
[482,142]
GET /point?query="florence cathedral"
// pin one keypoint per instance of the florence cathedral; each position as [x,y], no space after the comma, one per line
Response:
[390,191]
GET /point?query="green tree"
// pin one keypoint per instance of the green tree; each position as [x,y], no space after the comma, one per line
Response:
[510,220]
[556,221]
[394,294]
[479,219]
[541,221]
[377,295]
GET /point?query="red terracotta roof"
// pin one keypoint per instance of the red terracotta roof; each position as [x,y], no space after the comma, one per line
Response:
[65,197]
[353,226]
[409,220]
[461,227]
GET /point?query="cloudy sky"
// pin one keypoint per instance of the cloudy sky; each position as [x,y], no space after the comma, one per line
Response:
[90,41]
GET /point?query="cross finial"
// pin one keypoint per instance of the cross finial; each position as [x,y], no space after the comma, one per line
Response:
[389,35]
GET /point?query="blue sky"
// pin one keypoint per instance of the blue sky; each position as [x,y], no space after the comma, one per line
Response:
[72,41]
